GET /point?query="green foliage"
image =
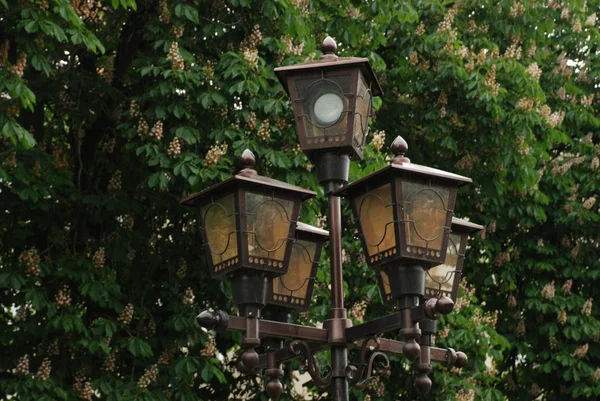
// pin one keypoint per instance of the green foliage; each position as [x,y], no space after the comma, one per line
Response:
[110,112]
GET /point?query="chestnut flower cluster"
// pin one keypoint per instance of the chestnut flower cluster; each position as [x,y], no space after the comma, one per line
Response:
[127,315]
[63,297]
[149,376]
[31,259]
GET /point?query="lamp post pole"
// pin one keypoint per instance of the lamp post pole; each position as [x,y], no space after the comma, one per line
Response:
[337,314]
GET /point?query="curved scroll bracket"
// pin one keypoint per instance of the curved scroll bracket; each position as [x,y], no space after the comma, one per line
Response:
[299,347]
[360,376]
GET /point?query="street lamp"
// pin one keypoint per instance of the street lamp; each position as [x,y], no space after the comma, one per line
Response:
[247,223]
[404,212]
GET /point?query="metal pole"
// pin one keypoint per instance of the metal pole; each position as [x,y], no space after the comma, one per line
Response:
[339,354]
[332,171]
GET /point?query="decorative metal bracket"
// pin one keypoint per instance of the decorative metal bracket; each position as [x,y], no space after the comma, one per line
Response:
[359,377]
[299,347]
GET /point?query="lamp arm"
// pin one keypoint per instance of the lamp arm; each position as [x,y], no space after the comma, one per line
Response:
[374,327]
[220,321]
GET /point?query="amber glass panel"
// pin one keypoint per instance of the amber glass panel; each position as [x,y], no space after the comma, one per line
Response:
[309,92]
[295,281]
[363,110]
[385,285]
[268,224]
[376,217]
[425,214]
[220,228]
[440,279]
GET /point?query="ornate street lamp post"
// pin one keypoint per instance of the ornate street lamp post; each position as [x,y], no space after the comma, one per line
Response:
[404,215]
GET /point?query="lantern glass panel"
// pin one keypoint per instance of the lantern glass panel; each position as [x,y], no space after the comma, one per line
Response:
[440,279]
[220,229]
[384,286]
[297,279]
[376,218]
[325,105]
[268,223]
[425,214]
[362,112]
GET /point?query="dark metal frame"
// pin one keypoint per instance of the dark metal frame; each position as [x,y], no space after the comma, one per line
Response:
[338,334]
[316,338]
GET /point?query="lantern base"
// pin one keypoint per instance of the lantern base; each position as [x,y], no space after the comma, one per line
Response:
[250,292]
[428,329]
[406,280]
[332,170]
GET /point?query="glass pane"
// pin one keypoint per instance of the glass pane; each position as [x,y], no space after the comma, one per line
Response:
[324,106]
[268,223]
[425,213]
[376,218]
[220,228]
[385,286]
[363,110]
[440,279]
[295,281]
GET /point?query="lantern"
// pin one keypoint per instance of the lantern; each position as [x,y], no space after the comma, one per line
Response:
[404,211]
[248,223]
[294,289]
[443,280]
[332,99]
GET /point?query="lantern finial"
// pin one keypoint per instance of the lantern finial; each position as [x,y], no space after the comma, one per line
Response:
[247,161]
[399,147]
[328,47]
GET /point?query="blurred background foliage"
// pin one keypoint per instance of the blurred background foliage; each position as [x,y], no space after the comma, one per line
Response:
[112,111]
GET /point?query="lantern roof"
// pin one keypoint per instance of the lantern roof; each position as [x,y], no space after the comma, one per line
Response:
[462,225]
[330,61]
[401,166]
[248,178]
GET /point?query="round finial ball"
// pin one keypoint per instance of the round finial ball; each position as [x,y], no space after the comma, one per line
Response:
[461,360]
[411,350]
[243,368]
[328,46]
[274,389]
[399,146]
[423,384]
[250,359]
[444,306]
[247,159]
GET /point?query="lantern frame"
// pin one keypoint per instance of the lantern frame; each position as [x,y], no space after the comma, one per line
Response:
[240,185]
[395,174]
[304,233]
[327,70]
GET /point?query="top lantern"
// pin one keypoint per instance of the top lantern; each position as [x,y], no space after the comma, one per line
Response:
[404,211]
[332,100]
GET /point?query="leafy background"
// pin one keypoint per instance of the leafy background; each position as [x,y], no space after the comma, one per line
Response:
[110,112]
